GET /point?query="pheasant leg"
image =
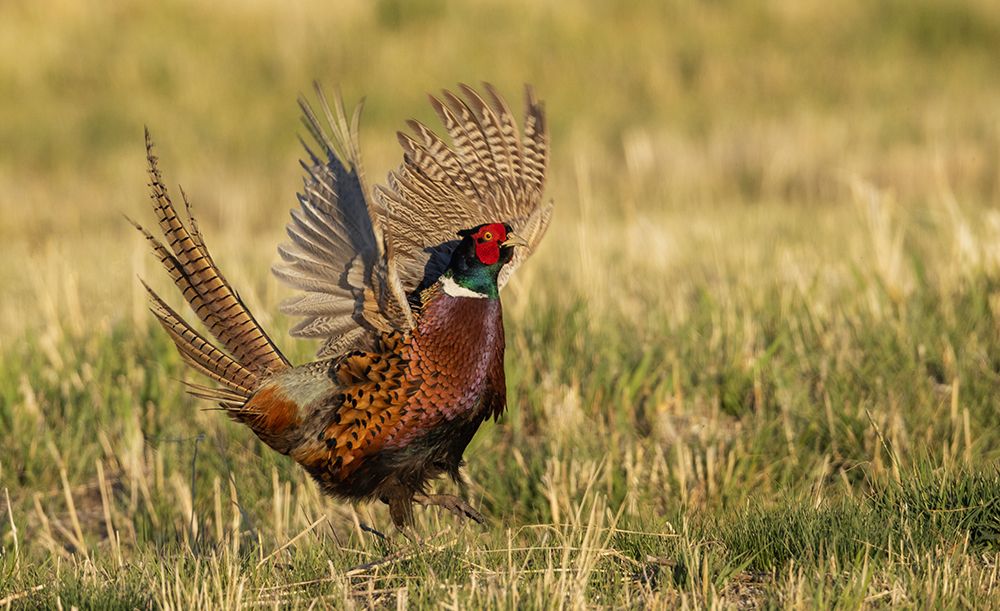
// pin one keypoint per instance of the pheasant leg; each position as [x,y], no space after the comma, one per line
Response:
[400,510]
[454,504]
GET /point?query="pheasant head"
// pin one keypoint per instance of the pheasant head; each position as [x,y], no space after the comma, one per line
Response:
[476,261]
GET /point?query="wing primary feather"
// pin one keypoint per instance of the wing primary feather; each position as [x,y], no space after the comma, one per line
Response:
[364,251]
[535,140]
[472,143]
[492,131]
[436,159]
[465,153]
[511,134]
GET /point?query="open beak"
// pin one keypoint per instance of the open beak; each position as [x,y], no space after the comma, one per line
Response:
[514,240]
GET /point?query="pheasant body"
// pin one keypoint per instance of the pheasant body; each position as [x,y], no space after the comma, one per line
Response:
[351,421]
[413,362]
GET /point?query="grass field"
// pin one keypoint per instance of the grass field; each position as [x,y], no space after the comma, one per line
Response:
[756,362]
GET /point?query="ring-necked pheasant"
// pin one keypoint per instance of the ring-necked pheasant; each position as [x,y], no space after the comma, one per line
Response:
[401,282]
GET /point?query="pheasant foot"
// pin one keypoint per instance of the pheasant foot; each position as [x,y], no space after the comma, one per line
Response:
[454,504]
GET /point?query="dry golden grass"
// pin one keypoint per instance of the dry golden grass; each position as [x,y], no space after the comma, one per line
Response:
[755,363]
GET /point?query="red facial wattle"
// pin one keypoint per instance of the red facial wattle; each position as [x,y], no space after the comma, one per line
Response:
[488,240]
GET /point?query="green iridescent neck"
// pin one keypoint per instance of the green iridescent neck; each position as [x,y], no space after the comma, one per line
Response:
[481,280]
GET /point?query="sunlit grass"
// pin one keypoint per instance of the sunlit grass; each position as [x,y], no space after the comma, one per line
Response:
[755,362]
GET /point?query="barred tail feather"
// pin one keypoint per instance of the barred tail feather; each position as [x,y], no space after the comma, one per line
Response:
[199,352]
[204,287]
[245,354]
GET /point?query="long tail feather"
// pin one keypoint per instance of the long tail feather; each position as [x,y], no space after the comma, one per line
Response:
[245,354]
[199,352]
[204,287]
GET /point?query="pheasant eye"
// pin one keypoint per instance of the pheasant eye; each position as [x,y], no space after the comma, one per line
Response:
[488,236]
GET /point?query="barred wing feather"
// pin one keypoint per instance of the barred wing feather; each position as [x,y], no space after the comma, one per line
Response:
[359,255]
[337,254]
[493,172]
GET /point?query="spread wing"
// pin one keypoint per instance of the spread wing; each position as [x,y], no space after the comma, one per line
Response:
[357,258]
[339,254]
[493,172]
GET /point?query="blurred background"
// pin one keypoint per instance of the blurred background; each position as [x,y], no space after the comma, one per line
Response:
[771,285]
[656,108]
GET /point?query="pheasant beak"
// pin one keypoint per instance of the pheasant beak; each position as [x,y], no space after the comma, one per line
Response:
[514,240]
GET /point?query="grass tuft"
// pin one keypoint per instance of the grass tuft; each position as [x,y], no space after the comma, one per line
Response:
[755,363]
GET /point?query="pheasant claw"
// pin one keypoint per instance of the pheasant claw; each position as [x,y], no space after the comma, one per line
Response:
[454,504]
